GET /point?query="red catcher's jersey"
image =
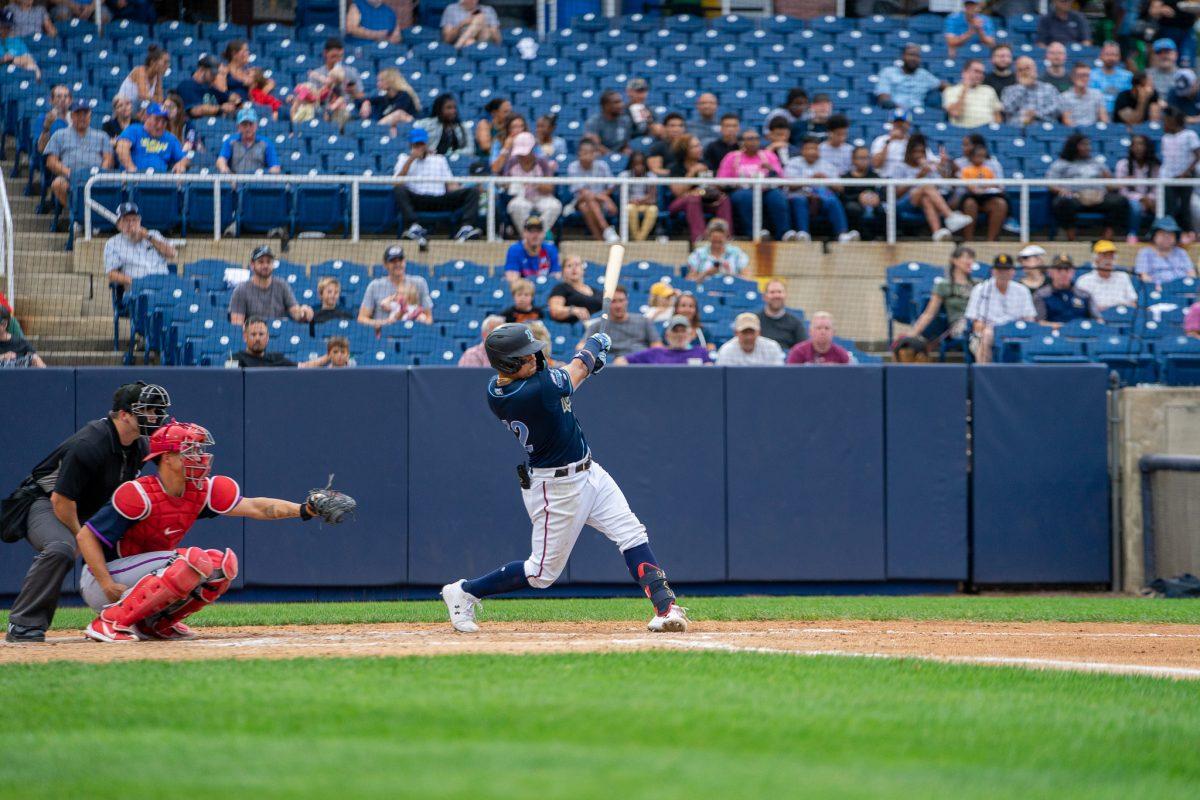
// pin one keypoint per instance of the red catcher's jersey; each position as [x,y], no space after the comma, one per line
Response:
[160,520]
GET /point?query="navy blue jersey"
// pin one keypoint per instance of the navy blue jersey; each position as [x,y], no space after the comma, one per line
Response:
[538,412]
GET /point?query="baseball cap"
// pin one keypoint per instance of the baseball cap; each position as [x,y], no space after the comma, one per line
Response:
[79,104]
[1002,261]
[126,209]
[155,110]
[417,135]
[637,84]
[1031,251]
[1163,44]
[524,143]
[208,62]
[899,115]
[534,222]
[247,114]
[680,320]
[745,321]
[1062,261]
[393,253]
[1104,246]
[662,289]
[259,252]
[1167,224]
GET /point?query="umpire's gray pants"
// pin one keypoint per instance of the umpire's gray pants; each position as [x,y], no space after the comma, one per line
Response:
[55,546]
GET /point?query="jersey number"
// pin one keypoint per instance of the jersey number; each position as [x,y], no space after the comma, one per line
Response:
[521,431]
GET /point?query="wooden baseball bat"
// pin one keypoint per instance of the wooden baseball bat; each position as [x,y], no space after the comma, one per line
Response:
[612,277]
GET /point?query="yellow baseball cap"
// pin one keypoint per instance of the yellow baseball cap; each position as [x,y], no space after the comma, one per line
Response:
[1104,246]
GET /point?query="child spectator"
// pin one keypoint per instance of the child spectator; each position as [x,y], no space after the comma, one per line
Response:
[1140,162]
[405,305]
[522,308]
[805,198]
[1180,154]
[260,92]
[305,102]
[643,199]
[863,204]
[337,353]
[593,201]
[662,302]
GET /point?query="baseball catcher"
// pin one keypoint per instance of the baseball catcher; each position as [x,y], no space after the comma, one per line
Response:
[137,577]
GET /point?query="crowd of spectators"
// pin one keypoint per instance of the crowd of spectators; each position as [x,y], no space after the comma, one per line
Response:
[805,137]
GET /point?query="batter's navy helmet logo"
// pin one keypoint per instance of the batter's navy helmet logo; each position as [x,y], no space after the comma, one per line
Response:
[509,344]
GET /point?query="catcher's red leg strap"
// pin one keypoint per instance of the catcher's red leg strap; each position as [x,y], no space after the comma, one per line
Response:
[225,569]
[158,590]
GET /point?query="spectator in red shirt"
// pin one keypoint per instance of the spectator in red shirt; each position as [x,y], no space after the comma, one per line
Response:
[819,348]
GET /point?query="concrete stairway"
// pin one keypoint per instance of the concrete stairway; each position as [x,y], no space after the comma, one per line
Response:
[66,314]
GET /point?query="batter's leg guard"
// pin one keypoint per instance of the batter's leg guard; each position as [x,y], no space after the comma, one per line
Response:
[168,624]
[157,591]
[654,583]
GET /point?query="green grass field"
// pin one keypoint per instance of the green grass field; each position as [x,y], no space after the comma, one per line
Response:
[638,725]
[1026,608]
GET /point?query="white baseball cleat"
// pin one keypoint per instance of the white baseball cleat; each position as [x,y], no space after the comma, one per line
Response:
[674,621]
[461,606]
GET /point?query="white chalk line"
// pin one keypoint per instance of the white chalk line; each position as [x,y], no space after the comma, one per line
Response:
[1050,663]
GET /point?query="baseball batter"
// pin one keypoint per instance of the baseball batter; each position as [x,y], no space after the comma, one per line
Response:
[137,577]
[564,488]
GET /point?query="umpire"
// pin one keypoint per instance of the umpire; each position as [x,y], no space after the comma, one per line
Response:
[68,487]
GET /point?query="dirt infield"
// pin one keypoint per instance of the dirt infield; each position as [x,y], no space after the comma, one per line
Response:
[1171,651]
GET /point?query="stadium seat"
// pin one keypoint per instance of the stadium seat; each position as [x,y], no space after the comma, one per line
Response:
[263,208]
[1180,360]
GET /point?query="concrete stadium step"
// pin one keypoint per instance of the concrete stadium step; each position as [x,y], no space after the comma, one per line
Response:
[71,344]
[41,262]
[95,326]
[81,358]
[42,240]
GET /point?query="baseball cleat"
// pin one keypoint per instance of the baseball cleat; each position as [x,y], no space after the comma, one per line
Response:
[461,607]
[24,634]
[101,630]
[170,633]
[674,621]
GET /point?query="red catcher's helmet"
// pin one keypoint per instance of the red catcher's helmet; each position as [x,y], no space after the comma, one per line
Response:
[189,440]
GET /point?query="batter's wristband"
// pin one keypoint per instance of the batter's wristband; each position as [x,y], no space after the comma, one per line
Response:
[305,514]
[588,358]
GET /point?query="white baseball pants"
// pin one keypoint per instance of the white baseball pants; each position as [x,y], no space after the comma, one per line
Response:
[560,507]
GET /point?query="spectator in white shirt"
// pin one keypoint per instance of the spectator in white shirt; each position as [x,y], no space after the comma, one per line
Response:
[887,150]
[748,348]
[1107,286]
[435,192]
[997,301]
[134,252]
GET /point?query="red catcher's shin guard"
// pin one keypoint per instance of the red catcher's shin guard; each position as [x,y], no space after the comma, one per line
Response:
[225,569]
[156,591]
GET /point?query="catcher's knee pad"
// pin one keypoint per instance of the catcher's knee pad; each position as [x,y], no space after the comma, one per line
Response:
[220,578]
[654,583]
[158,590]
[225,565]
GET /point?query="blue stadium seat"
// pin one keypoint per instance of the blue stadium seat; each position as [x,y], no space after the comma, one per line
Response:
[1125,356]
[161,205]
[263,208]
[1052,350]
[1180,361]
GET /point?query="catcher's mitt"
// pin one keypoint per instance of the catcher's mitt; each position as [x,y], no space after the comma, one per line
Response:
[329,504]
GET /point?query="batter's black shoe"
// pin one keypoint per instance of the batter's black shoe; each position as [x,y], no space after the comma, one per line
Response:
[22,634]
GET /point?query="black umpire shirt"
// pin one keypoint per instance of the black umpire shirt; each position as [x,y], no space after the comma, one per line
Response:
[89,466]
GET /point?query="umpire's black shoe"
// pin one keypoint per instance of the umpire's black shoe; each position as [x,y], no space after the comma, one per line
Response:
[22,634]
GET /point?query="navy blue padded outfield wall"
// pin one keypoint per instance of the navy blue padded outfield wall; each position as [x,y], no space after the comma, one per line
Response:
[741,475]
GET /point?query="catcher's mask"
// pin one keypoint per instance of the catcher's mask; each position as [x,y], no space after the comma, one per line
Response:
[508,344]
[191,442]
[148,402]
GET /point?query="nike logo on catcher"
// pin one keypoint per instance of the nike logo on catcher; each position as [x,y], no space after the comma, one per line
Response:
[169,531]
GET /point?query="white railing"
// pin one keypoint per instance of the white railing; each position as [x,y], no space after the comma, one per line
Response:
[494,185]
[7,245]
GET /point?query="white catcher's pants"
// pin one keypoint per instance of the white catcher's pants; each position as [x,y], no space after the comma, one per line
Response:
[560,507]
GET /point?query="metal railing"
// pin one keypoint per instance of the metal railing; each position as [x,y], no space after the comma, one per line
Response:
[494,185]
[7,245]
